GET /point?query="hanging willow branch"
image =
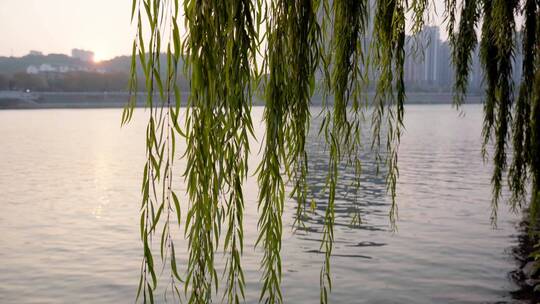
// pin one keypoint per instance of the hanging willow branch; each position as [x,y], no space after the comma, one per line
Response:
[534,123]
[218,50]
[488,51]
[463,45]
[304,45]
[293,37]
[157,202]
[389,56]
[503,25]
[535,145]
[342,133]
[522,111]
[497,49]
[220,54]
[241,35]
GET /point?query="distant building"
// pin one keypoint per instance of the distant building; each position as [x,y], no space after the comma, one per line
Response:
[44,68]
[35,53]
[32,69]
[445,73]
[47,68]
[64,69]
[429,63]
[431,54]
[60,69]
[476,77]
[83,55]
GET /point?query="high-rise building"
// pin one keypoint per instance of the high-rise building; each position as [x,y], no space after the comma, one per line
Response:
[83,55]
[431,54]
[445,70]
[425,58]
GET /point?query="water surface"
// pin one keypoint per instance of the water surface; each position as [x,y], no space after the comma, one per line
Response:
[69,186]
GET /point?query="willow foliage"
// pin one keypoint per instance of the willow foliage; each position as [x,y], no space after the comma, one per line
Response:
[464,42]
[233,50]
[389,50]
[497,52]
[341,131]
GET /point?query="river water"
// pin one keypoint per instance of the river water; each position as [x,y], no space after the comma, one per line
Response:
[69,199]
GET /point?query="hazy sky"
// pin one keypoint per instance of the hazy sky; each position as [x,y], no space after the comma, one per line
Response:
[57,26]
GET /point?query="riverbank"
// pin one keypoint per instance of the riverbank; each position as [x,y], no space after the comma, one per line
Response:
[59,100]
[527,275]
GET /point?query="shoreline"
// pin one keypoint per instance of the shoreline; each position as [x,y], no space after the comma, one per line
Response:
[526,275]
[97,100]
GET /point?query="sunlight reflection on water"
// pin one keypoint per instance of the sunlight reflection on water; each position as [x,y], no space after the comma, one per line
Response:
[69,215]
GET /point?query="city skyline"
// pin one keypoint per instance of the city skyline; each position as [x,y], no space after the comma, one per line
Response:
[101,26]
[58,26]
[427,66]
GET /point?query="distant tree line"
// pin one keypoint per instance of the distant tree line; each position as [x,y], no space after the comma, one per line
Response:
[77,81]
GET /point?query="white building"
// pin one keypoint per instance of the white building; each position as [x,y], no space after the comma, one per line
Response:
[44,68]
[32,69]
[35,53]
[83,55]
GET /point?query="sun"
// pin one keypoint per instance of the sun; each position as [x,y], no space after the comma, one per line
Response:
[98,58]
[100,55]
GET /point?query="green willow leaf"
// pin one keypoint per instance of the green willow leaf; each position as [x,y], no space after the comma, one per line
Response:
[234,50]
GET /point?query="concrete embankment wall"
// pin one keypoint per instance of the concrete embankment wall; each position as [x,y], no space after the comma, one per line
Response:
[119,99]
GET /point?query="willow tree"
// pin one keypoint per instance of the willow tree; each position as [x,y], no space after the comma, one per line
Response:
[233,50]
[496,20]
